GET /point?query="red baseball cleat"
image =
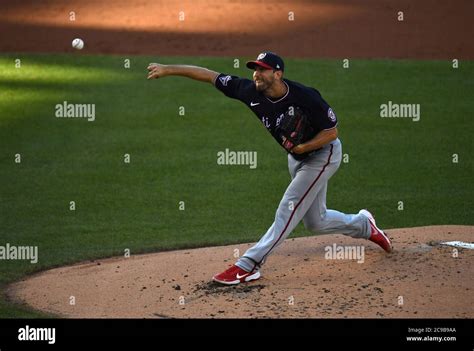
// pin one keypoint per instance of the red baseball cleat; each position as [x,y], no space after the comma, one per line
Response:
[235,275]
[377,236]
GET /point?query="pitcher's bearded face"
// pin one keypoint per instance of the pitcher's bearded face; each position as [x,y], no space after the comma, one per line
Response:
[263,78]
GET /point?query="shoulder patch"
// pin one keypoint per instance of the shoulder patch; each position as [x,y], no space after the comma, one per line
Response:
[225,80]
[331,115]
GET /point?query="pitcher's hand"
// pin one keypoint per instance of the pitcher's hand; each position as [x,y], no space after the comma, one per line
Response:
[156,70]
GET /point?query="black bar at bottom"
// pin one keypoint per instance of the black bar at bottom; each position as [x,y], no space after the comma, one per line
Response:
[433,334]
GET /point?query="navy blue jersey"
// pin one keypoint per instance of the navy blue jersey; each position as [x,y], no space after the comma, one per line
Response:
[270,112]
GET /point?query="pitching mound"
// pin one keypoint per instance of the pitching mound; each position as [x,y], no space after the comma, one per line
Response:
[421,278]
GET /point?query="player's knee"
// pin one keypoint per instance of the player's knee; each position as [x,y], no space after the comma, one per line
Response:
[315,225]
[312,226]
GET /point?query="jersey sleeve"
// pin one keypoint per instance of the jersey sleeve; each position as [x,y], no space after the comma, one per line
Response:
[322,115]
[233,87]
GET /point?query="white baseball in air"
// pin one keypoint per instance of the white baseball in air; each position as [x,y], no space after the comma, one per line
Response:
[77,44]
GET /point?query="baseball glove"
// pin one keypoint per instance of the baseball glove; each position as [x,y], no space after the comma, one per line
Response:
[294,129]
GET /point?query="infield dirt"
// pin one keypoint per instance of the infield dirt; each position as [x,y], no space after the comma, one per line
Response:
[421,278]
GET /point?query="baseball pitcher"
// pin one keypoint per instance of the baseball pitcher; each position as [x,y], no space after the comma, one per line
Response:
[304,124]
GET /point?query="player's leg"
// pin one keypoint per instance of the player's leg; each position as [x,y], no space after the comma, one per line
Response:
[320,220]
[309,177]
[307,180]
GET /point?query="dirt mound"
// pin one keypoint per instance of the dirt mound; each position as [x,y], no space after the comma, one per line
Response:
[421,278]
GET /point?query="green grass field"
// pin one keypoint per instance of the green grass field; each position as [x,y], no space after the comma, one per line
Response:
[173,157]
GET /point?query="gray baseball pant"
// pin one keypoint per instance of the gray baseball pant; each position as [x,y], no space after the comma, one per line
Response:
[305,199]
